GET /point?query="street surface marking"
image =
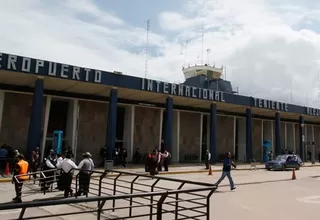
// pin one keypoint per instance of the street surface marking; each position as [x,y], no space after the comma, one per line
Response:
[310,199]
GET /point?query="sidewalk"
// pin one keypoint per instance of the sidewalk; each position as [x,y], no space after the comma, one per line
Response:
[180,169]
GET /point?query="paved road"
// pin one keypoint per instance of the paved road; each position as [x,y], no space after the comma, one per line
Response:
[259,194]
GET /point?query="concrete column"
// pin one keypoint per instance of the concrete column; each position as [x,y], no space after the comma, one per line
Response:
[213,133]
[285,135]
[200,139]
[248,135]
[168,125]
[302,137]
[2,97]
[290,136]
[35,124]
[161,125]
[277,134]
[241,133]
[71,134]
[272,136]
[312,130]
[75,127]
[294,137]
[262,138]
[112,123]
[45,129]
[176,137]
[234,135]
[129,130]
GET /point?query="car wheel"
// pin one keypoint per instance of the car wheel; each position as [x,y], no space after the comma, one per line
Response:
[268,169]
[283,167]
[298,168]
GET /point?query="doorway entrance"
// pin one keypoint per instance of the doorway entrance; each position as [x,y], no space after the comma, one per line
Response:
[58,118]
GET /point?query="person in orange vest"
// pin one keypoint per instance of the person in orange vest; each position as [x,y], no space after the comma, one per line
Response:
[20,172]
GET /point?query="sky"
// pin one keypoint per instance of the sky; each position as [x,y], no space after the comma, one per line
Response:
[270,49]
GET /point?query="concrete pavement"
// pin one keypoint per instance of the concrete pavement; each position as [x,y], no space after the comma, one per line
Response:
[181,169]
[260,194]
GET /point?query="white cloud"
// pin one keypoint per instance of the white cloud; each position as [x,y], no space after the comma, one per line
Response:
[262,43]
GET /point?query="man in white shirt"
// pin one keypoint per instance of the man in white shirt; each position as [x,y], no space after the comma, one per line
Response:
[86,167]
[208,158]
[60,158]
[48,168]
[66,166]
[166,156]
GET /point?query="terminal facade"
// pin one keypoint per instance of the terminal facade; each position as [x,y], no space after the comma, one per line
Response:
[97,108]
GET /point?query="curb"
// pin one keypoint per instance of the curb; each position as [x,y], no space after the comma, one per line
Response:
[6,180]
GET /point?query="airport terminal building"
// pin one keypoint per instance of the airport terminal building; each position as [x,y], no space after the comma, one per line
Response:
[96,108]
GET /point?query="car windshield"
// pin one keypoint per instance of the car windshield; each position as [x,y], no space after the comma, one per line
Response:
[281,157]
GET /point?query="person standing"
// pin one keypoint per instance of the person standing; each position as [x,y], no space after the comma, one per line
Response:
[226,172]
[86,167]
[66,167]
[60,159]
[34,164]
[20,172]
[166,158]
[153,163]
[124,156]
[159,161]
[48,167]
[208,158]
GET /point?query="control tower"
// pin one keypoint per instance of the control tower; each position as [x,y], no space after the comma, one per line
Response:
[209,70]
[207,76]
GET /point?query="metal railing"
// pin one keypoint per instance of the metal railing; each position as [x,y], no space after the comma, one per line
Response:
[133,195]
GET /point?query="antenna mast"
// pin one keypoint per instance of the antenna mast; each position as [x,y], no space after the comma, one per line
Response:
[147,47]
[291,81]
[202,39]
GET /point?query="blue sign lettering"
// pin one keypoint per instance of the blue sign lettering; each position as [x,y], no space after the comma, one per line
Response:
[181,90]
[46,68]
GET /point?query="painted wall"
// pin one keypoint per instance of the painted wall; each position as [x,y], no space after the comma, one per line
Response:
[189,146]
[15,120]
[283,138]
[175,137]
[268,132]
[69,127]
[225,135]
[128,131]
[309,138]
[257,140]
[241,140]
[146,129]
[290,140]
[297,138]
[317,141]
[92,131]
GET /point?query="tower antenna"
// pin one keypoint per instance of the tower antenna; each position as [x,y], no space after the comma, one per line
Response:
[202,41]
[291,81]
[147,50]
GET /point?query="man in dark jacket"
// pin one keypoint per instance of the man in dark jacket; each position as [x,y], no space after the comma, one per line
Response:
[226,171]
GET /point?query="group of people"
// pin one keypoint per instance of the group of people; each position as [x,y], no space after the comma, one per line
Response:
[7,157]
[119,156]
[156,160]
[55,168]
